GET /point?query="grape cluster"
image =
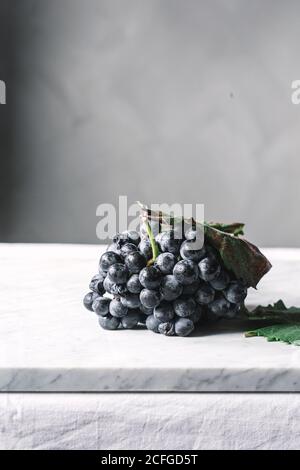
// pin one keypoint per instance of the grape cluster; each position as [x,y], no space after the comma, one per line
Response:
[183,286]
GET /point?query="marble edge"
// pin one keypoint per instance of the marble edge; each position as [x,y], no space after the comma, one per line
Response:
[133,380]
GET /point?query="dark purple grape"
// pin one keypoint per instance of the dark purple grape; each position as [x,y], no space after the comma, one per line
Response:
[170,288]
[133,284]
[131,320]
[118,273]
[113,288]
[209,268]
[96,284]
[152,323]
[108,322]
[150,277]
[108,259]
[117,309]
[150,298]
[220,307]
[186,272]
[101,306]
[184,306]
[128,248]
[236,292]
[191,289]
[131,300]
[184,327]
[89,299]
[146,310]
[145,249]
[135,261]
[205,294]
[189,250]
[167,328]
[165,262]
[197,315]
[221,281]
[170,243]
[164,312]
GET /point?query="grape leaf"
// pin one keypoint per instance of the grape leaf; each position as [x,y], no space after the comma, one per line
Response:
[236,228]
[276,312]
[280,332]
[239,256]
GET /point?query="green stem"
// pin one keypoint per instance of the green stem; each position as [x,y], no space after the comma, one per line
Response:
[154,246]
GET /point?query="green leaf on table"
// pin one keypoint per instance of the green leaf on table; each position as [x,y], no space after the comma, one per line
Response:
[239,256]
[276,312]
[288,333]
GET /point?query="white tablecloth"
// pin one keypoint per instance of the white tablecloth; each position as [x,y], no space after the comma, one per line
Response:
[180,421]
[126,420]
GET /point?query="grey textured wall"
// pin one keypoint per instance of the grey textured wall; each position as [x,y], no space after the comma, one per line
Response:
[161,100]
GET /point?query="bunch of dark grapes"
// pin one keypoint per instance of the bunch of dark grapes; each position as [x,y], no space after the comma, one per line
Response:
[183,286]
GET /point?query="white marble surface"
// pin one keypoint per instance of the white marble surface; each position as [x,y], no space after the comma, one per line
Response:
[49,342]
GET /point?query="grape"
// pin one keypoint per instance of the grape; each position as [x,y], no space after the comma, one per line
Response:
[118,273]
[131,300]
[135,261]
[128,236]
[184,307]
[152,323]
[101,306]
[108,322]
[170,288]
[188,251]
[128,248]
[113,288]
[150,298]
[131,319]
[221,281]
[165,262]
[150,277]
[133,284]
[89,299]
[205,294]
[108,259]
[113,247]
[233,311]
[186,271]
[209,269]
[193,233]
[133,236]
[164,311]
[197,315]
[235,292]
[146,310]
[182,288]
[167,328]
[191,289]
[220,307]
[145,249]
[170,243]
[96,284]
[183,327]
[117,309]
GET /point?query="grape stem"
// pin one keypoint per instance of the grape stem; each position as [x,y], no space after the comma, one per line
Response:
[154,246]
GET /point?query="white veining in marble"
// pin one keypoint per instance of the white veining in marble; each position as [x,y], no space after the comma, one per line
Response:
[49,342]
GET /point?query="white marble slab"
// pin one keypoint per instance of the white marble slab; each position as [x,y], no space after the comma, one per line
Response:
[49,342]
